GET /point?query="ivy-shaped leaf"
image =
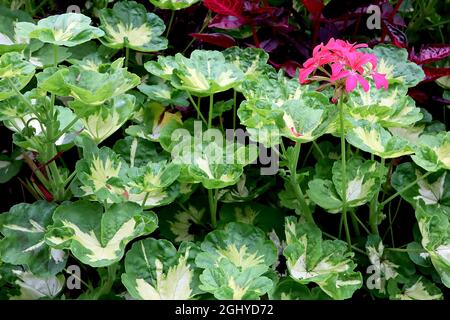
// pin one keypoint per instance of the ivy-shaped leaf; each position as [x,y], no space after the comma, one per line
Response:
[33,287]
[212,164]
[89,87]
[102,174]
[16,72]
[364,178]
[434,189]
[393,62]
[23,228]
[128,24]
[419,289]
[434,225]
[251,61]
[389,108]
[9,40]
[235,260]
[155,270]
[68,29]
[433,151]
[324,262]
[102,121]
[96,237]
[372,138]
[205,73]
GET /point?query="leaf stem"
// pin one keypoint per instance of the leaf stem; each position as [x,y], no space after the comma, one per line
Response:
[199,113]
[212,199]
[404,189]
[210,113]
[344,171]
[234,108]
[293,163]
[169,27]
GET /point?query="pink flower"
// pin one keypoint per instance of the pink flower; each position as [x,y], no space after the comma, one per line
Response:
[380,80]
[347,64]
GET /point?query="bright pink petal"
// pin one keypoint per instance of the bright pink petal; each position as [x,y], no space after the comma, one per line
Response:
[380,80]
[364,83]
[350,83]
[304,73]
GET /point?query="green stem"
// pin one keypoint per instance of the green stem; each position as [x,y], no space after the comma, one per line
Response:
[318,149]
[305,210]
[145,199]
[172,15]
[355,217]
[210,114]
[355,223]
[353,247]
[22,97]
[212,199]
[344,170]
[234,108]
[127,56]
[199,113]
[373,214]
[66,128]
[404,189]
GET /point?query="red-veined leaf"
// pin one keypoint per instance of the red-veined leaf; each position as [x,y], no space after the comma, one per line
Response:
[430,53]
[226,22]
[435,73]
[397,36]
[217,39]
[225,7]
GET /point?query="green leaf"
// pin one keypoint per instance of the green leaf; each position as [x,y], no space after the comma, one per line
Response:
[89,87]
[155,270]
[163,68]
[102,174]
[102,121]
[164,94]
[9,166]
[156,123]
[364,178]
[289,289]
[128,24]
[173,4]
[235,260]
[420,289]
[205,73]
[327,263]
[433,151]
[136,152]
[372,138]
[45,56]
[251,61]
[214,165]
[23,228]
[95,237]
[68,29]
[277,108]
[434,226]
[434,189]
[154,175]
[184,223]
[9,40]
[14,68]
[389,108]
[393,62]
[34,287]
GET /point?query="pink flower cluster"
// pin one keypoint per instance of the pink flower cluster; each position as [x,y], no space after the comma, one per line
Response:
[346,62]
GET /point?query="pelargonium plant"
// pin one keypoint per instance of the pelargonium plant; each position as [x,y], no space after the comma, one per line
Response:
[160,173]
